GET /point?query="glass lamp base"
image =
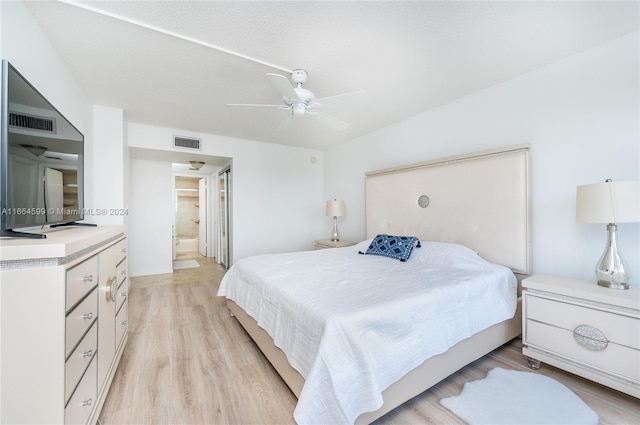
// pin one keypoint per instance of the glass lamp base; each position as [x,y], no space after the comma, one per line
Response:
[612,270]
[613,285]
[334,233]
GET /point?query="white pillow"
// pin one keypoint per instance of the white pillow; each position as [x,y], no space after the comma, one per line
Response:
[441,254]
[447,254]
[362,246]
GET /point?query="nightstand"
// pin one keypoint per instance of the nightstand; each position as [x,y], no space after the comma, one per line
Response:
[326,243]
[584,329]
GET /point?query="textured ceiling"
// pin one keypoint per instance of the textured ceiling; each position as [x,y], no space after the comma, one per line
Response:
[178,63]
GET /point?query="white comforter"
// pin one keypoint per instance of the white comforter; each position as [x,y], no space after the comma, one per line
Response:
[354,324]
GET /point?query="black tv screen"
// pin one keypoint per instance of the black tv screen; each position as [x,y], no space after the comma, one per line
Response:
[41,159]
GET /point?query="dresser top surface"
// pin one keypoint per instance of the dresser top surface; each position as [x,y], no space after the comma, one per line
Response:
[60,242]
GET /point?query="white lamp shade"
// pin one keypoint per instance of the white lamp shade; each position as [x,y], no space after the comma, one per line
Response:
[335,209]
[609,202]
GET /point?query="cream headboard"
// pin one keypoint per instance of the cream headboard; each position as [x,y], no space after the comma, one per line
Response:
[480,200]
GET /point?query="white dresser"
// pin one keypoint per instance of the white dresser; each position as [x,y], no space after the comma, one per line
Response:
[63,309]
[583,328]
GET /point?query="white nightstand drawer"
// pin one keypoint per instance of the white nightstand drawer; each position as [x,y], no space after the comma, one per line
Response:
[80,280]
[84,398]
[583,328]
[616,327]
[79,360]
[79,320]
[618,359]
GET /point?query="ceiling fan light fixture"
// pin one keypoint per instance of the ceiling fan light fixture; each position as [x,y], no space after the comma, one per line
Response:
[299,108]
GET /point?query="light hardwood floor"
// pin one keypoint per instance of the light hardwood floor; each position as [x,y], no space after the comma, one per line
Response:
[188,361]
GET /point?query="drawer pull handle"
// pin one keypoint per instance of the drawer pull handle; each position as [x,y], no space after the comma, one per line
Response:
[123,272]
[87,316]
[123,250]
[88,278]
[87,402]
[88,353]
[590,338]
[111,289]
[123,323]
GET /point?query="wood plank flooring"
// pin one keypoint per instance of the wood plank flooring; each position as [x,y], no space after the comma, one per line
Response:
[188,361]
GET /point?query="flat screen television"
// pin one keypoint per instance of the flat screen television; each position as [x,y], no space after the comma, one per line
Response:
[41,161]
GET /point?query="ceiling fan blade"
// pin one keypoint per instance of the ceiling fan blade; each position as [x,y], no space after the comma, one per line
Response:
[285,123]
[344,99]
[258,105]
[283,85]
[329,120]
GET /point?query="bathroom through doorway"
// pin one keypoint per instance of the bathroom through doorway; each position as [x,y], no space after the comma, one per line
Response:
[191,216]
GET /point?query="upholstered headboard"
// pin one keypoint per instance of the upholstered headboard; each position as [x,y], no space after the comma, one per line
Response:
[480,200]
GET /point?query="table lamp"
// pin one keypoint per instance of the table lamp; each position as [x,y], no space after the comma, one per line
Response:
[335,209]
[610,202]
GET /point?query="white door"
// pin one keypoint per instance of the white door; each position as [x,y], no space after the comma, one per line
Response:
[202,216]
[174,254]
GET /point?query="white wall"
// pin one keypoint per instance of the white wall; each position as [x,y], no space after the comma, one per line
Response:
[107,164]
[580,116]
[277,202]
[150,218]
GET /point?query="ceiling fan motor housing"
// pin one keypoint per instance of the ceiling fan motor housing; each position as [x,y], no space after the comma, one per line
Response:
[299,76]
[304,95]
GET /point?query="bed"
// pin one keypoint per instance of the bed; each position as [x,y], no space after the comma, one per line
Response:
[339,363]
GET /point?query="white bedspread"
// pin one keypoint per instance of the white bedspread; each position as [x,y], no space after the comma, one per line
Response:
[354,324]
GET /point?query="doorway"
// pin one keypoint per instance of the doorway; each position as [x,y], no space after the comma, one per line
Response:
[191,217]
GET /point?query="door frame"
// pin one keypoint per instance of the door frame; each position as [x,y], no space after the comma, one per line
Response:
[211,218]
[203,214]
[226,170]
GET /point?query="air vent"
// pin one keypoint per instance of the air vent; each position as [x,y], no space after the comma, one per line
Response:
[186,143]
[31,122]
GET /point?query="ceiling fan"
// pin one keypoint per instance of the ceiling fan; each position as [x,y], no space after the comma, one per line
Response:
[301,102]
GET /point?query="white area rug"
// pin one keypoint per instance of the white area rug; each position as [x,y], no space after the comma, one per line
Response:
[185,264]
[513,397]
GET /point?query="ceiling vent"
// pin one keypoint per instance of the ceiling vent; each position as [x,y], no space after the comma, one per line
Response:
[31,122]
[186,143]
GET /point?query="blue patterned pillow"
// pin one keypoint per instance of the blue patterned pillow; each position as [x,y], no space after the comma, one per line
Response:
[398,247]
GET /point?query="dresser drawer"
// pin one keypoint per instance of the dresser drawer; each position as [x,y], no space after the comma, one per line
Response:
[122,323]
[79,360]
[83,399]
[79,320]
[121,248]
[616,327]
[121,296]
[80,280]
[121,272]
